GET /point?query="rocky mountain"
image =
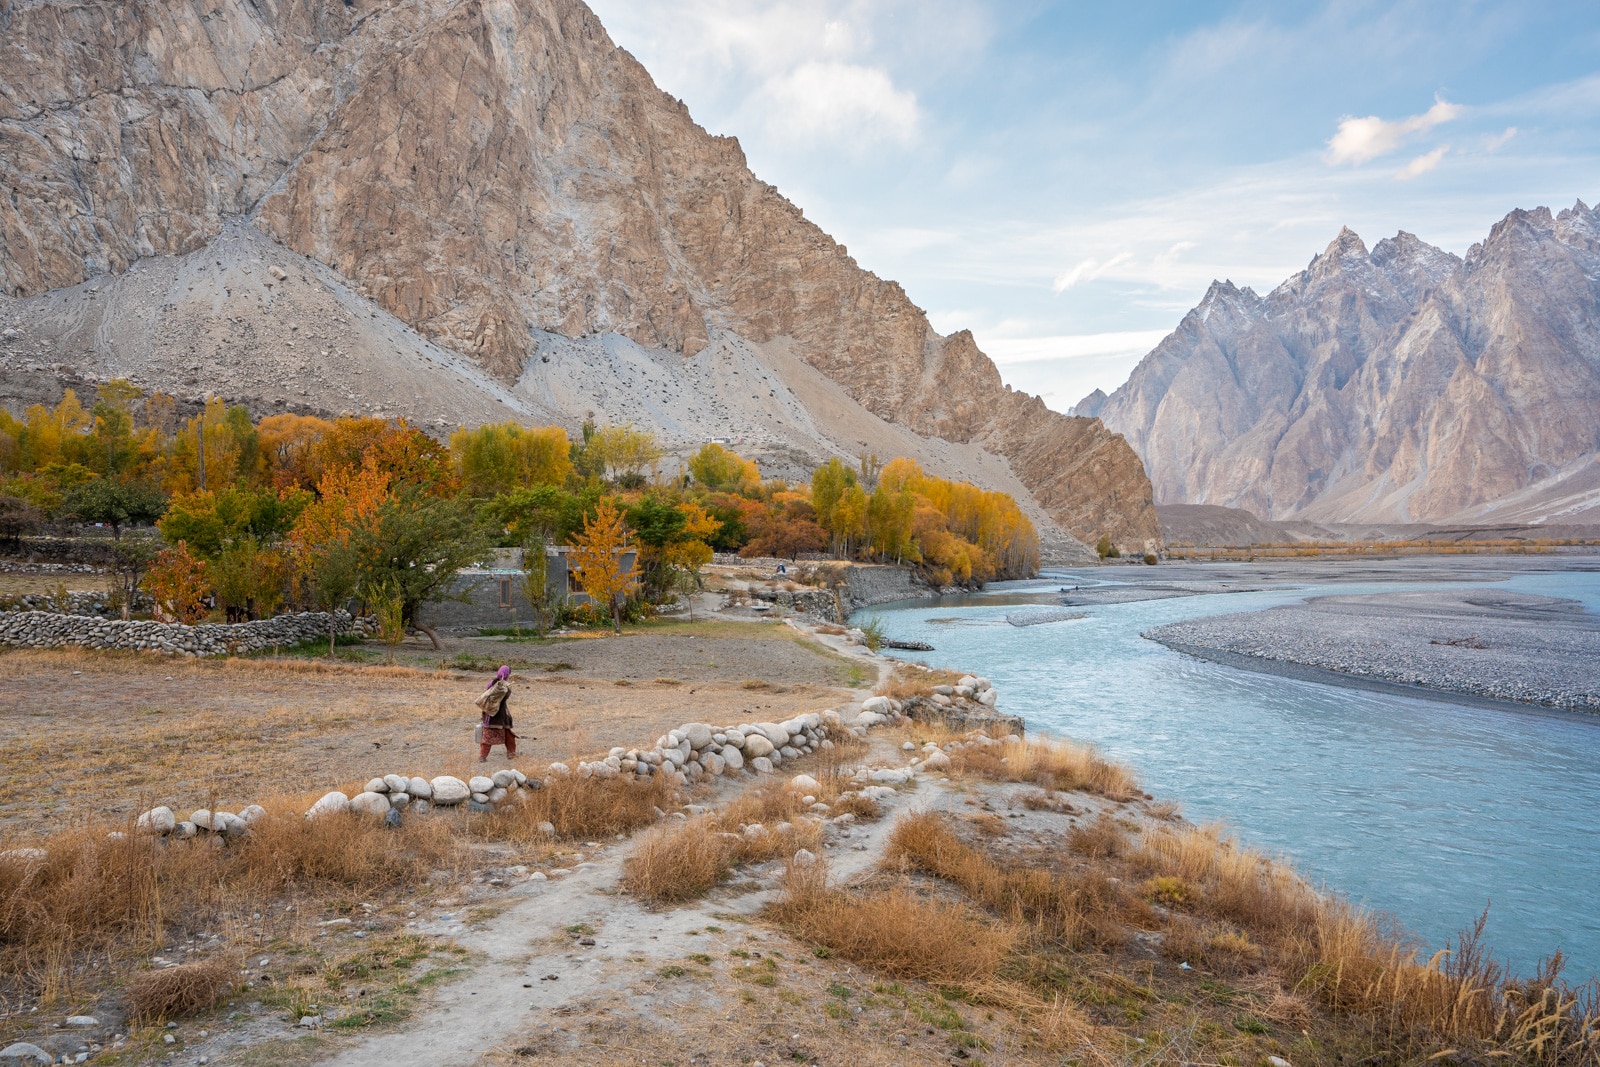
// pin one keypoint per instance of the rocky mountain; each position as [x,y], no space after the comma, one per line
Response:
[1400,384]
[462,210]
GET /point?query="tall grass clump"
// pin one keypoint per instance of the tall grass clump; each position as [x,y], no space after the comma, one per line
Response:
[894,930]
[581,807]
[1049,763]
[86,893]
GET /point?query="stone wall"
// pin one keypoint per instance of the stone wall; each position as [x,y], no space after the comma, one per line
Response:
[41,629]
[95,602]
[867,586]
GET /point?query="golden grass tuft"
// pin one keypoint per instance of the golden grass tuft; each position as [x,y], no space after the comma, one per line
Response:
[1049,763]
[674,863]
[908,682]
[580,808]
[155,996]
[1100,839]
[893,931]
[101,895]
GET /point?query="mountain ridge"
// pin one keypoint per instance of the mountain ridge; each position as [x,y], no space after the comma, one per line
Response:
[1397,384]
[487,172]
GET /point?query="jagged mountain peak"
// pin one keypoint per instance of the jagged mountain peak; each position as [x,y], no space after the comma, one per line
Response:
[1403,384]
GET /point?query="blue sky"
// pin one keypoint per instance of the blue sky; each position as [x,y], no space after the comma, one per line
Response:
[1066,179]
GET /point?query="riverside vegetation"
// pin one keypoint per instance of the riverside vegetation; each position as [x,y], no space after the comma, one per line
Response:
[298,511]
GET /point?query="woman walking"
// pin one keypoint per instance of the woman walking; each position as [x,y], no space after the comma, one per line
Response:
[496,726]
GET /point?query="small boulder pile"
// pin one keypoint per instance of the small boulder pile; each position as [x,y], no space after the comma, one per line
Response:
[393,793]
[163,822]
[969,704]
[697,749]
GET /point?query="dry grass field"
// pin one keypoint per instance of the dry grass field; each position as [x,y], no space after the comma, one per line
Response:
[96,736]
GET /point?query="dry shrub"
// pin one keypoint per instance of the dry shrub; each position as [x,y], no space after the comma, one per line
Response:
[103,895]
[1045,800]
[1100,839]
[671,864]
[1348,961]
[1210,946]
[1170,891]
[831,629]
[893,931]
[859,806]
[908,682]
[1050,764]
[581,808]
[182,990]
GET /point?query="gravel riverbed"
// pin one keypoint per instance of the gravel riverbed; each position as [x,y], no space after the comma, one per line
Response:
[1495,645]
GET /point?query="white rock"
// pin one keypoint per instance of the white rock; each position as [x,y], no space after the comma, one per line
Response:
[774,733]
[188,829]
[714,763]
[504,779]
[334,803]
[157,821]
[419,788]
[980,684]
[480,798]
[788,752]
[522,779]
[449,790]
[732,758]
[397,783]
[1278,1061]
[871,718]
[370,803]
[878,792]
[988,697]
[936,761]
[558,768]
[803,783]
[757,745]
[733,739]
[22,1052]
[754,830]
[698,734]
[498,793]
[761,765]
[969,681]
[399,800]
[547,828]
[480,783]
[377,785]
[252,814]
[940,699]
[804,858]
[202,819]
[943,690]
[228,824]
[81,1022]
[875,705]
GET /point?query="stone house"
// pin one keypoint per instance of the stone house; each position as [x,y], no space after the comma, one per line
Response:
[494,593]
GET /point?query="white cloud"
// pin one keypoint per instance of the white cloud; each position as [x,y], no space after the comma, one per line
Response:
[1362,139]
[1006,351]
[1422,164]
[1499,140]
[841,101]
[1087,271]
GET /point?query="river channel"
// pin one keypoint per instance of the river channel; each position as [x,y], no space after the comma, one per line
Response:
[1427,809]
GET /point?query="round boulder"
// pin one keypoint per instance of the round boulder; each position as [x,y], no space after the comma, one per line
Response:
[377,785]
[480,783]
[804,783]
[397,783]
[732,759]
[419,788]
[504,779]
[757,745]
[449,790]
[157,821]
[698,734]
[369,803]
[774,733]
[761,765]
[252,814]
[334,803]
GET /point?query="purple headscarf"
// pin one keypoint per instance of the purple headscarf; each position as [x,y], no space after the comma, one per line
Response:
[499,676]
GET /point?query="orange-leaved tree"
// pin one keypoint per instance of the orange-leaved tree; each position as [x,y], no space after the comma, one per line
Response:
[178,583]
[597,559]
[320,544]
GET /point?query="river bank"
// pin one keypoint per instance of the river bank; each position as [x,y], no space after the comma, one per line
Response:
[1499,646]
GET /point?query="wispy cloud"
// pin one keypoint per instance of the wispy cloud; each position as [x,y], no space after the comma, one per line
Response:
[1499,140]
[1422,164]
[1088,271]
[1360,140]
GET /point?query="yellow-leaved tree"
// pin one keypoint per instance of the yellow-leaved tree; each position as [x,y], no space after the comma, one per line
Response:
[597,560]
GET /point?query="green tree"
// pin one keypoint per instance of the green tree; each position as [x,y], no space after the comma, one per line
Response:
[418,543]
[543,511]
[1106,548]
[722,469]
[536,584]
[334,575]
[113,503]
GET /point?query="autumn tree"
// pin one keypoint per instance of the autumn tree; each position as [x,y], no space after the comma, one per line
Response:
[178,583]
[417,543]
[505,456]
[115,504]
[597,560]
[624,451]
[723,470]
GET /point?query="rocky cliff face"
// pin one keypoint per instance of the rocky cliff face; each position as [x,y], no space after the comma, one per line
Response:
[1400,384]
[485,171]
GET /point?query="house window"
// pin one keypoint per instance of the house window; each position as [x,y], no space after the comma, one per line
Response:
[505,592]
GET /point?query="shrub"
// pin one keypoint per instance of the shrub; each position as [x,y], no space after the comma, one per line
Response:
[181,990]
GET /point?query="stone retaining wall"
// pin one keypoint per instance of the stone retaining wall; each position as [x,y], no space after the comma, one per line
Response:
[42,629]
[79,602]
